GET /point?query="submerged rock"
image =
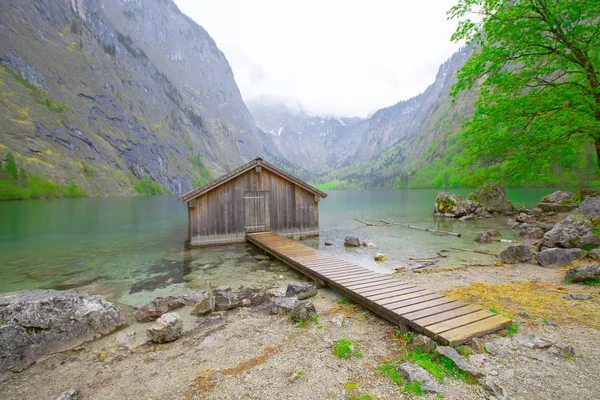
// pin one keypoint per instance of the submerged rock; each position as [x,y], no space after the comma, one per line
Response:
[328,243]
[413,373]
[166,329]
[351,241]
[380,257]
[492,197]
[225,299]
[301,290]
[554,258]
[368,244]
[158,307]
[516,253]
[583,273]
[76,282]
[36,323]
[493,233]
[483,237]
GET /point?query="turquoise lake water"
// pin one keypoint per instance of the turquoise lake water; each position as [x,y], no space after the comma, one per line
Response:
[131,249]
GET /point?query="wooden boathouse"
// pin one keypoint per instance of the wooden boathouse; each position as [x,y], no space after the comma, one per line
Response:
[256,197]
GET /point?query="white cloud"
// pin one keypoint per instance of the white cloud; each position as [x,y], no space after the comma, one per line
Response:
[342,57]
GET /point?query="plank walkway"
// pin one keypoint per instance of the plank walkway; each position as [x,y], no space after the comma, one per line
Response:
[448,321]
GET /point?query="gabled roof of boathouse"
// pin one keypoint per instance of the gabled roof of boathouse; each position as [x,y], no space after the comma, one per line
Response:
[192,194]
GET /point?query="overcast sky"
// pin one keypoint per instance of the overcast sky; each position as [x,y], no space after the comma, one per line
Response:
[340,57]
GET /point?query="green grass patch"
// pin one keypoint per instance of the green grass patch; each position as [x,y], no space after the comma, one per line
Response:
[345,349]
[511,329]
[343,301]
[588,282]
[463,351]
[364,396]
[350,386]
[437,365]
[301,324]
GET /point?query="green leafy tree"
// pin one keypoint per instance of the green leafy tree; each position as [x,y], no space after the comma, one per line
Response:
[11,167]
[536,66]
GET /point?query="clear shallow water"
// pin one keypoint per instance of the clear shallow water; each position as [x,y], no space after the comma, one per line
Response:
[131,249]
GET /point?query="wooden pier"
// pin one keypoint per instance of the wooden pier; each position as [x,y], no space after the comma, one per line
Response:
[448,321]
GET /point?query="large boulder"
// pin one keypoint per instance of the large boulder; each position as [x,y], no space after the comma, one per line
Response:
[166,329]
[225,299]
[158,307]
[458,360]
[483,237]
[205,303]
[574,231]
[556,207]
[492,198]
[583,273]
[36,323]
[303,311]
[451,205]
[516,253]
[558,197]
[554,258]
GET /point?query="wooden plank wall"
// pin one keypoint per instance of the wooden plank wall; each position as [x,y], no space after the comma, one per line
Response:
[218,215]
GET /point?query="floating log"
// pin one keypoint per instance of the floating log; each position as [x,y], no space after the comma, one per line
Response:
[437,232]
[366,223]
[489,253]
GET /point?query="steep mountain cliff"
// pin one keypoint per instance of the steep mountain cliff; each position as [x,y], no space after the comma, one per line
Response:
[379,151]
[107,94]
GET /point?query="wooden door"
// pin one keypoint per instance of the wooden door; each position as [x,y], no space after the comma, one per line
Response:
[256,212]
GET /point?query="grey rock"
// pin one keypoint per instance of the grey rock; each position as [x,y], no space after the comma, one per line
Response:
[36,323]
[301,290]
[516,253]
[594,254]
[205,303]
[194,297]
[532,232]
[451,205]
[492,388]
[577,296]
[556,207]
[589,208]
[535,342]
[574,231]
[558,197]
[469,217]
[546,226]
[483,237]
[522,217]
[368,244]
[26,71]
[283,305]
[76,281]
[351,241]
[71,394]
[492,198]
[564,350]
[225,299]
[493,233]
[158,307]
[413,373]
[583,273]
[458,360]
[328,243]
[424,342]
[524,314]
[553,258]
[261,257]
[303,311]
[483,214]
[535,211]
[166,329]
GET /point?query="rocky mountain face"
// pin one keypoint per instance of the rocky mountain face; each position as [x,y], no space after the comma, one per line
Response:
[108,93]
[373,151]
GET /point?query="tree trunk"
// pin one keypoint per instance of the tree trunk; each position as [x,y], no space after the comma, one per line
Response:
[597,144]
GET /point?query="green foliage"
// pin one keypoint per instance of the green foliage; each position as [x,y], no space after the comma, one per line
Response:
[345,349]
[350,386]
[147,187]
[406,337]
[414,388]
[301,324]
[389,369]
[205,175]
[11,167]
[56,107]
[536,64]
[343,301]
[36,186]
[190,145]
[511,329]
[364,396]
[588,282]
